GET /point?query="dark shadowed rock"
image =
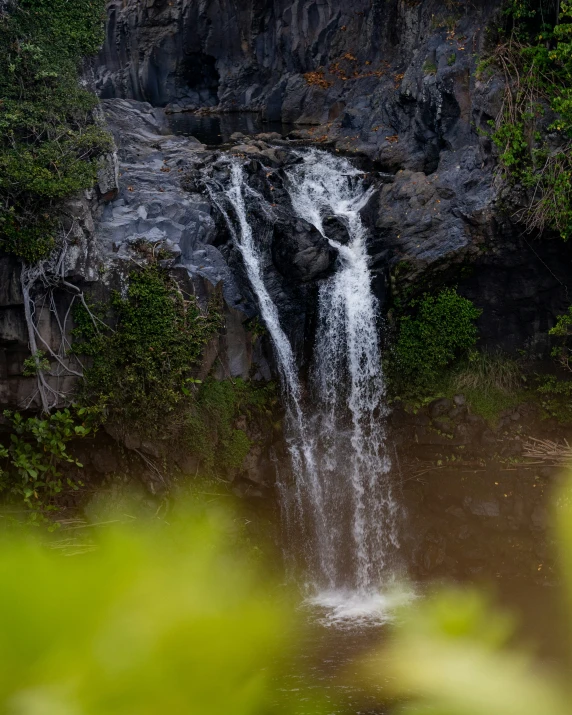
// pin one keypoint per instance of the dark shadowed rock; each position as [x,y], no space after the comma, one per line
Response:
[478,507]
[435,208]
[336,230]
[300,252]
[440,407]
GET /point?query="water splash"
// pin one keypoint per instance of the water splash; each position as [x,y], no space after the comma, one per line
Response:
[347,608]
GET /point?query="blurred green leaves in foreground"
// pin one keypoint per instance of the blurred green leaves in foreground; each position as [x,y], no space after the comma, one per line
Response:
[174,618]
[167,619]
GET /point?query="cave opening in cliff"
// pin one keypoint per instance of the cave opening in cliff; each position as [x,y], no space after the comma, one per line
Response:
[201,76]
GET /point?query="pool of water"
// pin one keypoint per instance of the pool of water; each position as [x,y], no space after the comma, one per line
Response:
[333,668]
[217,129]
[336,653]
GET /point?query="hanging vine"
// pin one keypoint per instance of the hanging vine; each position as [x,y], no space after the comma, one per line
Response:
[40,282]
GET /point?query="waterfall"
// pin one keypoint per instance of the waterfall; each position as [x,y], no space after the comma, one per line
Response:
[347,382]
[300,442]
[343,515]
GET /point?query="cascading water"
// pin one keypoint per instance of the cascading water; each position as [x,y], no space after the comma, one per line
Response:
[301,447]
[347,382]
[343,515]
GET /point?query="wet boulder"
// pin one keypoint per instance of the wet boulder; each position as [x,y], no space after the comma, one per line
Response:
[336,230]
[249,149]
[300,252]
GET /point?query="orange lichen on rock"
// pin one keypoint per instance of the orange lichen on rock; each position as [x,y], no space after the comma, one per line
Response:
[317,79]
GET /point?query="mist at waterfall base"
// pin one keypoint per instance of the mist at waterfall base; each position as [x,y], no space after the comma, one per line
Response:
[339,513]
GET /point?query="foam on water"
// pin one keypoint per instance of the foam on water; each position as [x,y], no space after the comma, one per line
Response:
[350,609]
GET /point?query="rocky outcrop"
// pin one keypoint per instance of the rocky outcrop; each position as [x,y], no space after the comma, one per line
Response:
[45,293]
[253,57]
[393,84]
[154,216]
[449,228]
[393,80]
[300,252]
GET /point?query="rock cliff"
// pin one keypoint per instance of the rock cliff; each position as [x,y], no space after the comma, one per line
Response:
[394,83]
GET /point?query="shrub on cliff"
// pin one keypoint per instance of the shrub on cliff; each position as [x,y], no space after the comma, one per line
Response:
[555,390]
[434,332]
[144,347]
[49,141]
[211,430]
[33,460]
[533,130]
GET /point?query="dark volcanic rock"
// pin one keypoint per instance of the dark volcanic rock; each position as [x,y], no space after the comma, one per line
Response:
[386,80]
[336,230]
[300,252]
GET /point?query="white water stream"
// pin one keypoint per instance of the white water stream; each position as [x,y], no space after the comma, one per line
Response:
[341,513]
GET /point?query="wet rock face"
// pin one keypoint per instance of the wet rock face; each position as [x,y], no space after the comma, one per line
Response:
[387,81]
[300,252]
[253,56]
[162,211]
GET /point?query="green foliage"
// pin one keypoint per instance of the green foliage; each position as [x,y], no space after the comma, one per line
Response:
[211,431]
[145,348]
[555,392]
[449,22]
[255,327]
[491,382]
[536,59]
[451,656]
[563,331]
[451,59]
[157,618]
[144,356]
[555,395]
[436,332]
[36,363]
[49,142]
[520,10]
[31,462]
[487,371]
[429,67]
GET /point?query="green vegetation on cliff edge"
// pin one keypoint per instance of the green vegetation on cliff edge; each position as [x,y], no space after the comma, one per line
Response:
[49,139]
[145,349]
[533,131]
[433,332]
